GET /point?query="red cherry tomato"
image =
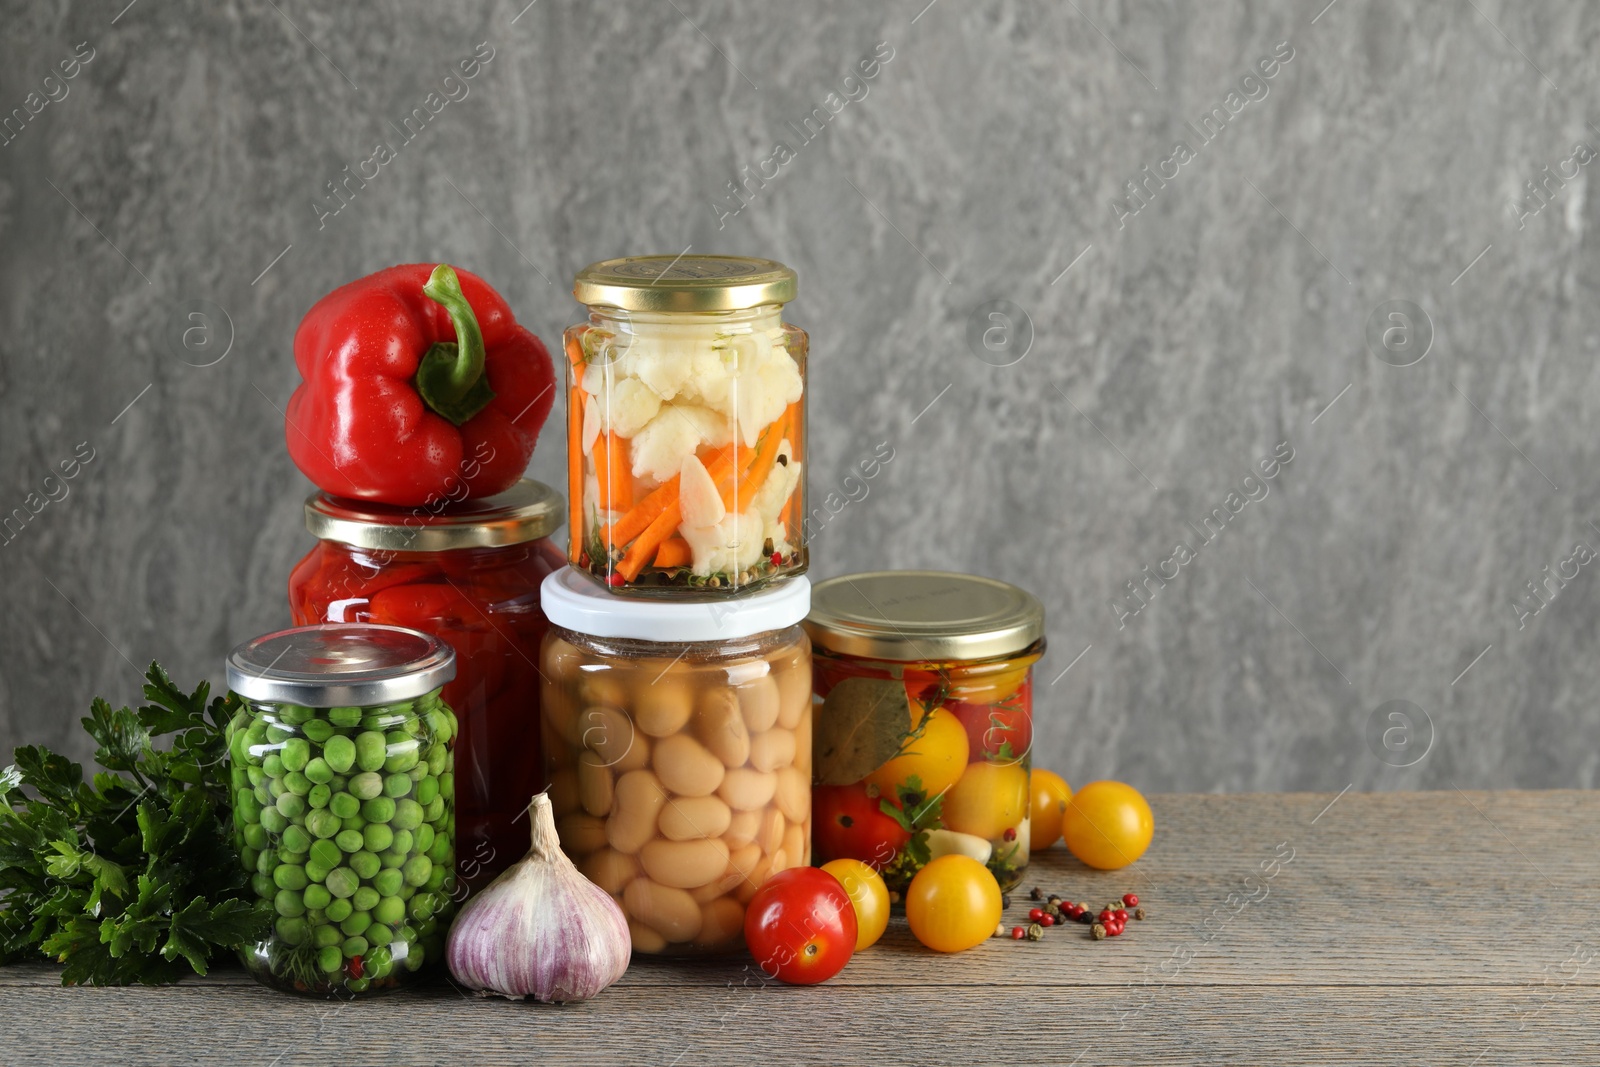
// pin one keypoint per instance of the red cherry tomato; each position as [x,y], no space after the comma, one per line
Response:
[993,727]
[850,825]
[800,926]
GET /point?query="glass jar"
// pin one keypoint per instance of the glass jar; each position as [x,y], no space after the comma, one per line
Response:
[678,742]
[686,425]
[468,572]
[344,803]
[925,728]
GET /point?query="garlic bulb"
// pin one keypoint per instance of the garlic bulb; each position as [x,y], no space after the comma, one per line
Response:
[541,929]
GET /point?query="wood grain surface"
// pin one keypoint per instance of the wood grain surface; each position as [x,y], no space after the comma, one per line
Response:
[1437,928]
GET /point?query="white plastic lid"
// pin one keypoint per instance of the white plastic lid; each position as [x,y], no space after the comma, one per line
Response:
[574,602]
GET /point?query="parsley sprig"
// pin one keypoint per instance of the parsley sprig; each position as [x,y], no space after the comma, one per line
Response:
[131,876]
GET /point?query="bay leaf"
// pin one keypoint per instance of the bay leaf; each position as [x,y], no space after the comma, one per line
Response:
[861,726]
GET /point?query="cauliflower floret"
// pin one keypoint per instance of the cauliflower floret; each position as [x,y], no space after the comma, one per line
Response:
[676,432]
[662,363]
[730,546]
[631,406]
[762,393]
[770,498]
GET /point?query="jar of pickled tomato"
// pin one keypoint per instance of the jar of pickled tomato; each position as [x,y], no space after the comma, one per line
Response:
[467,572]
[686,425]
[677,736]
[925,727]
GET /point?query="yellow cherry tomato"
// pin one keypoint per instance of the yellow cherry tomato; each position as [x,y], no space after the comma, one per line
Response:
[1047,807]
[953,903]
[869,895]
[989,686]
[1107,825]
[936,758]
[990,799]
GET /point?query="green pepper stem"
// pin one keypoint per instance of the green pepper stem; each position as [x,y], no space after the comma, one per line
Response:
[450,376]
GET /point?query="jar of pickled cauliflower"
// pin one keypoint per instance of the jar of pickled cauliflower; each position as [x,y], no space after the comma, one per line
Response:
[344,804]
[467,571]
[677,737]
[686,425]
[925,728]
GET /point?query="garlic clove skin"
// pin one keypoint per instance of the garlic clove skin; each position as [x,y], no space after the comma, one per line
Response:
[541,929]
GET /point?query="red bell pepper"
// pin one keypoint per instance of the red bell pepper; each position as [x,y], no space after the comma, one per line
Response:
[419,387]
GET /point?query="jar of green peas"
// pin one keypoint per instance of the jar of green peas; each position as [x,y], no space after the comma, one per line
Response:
[344,803]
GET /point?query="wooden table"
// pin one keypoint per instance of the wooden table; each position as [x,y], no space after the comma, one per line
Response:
[1421,928]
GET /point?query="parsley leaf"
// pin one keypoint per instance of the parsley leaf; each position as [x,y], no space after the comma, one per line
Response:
[130,877]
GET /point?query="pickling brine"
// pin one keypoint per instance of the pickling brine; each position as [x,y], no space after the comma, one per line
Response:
[686,422]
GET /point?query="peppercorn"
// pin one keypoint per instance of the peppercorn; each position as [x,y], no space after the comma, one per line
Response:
[1053,899]
[1005,901]
[1035,893]
[1034,914]
[1098,932]
[1120,915]
[1131,899]
[1114,929]
[1018,933]
[999,930]
[1052,911]
[1046,920]
[1035,932]
[1085,917]
[1138,913]
[1105,915]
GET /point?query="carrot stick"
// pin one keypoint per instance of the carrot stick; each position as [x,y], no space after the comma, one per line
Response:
[674,552]
[613,473]
[666,522]
[795,445]
[574,472]
[659,499]
[574,351]
[761,467]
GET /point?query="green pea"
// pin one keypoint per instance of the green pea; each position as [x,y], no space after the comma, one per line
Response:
[277,735]
[288,903]
[318,730]
[339,911]
[354,822]
[403,841]
[348,840]
[397,785]
[422,906]
[329,958]
[393,859]
[447,783]
[366,897]
[267,862]
[296,753]
[357,922]
[438,758]
[358,985]
[323,936]
[438,877]
[290,876]
[257,731]
[264,794]
[273,765]
[318,872]
[379,962]
[370,750]
[414,958]
[342,881]
[321,823]
[378,837]
[424,838]
[293,714]
[245,804]
[317,896]
[409,891]
[339,753]
[263,886]
[379,934]
[249,857]
[418,773]
[391,910]
[403,754]
[344,716]
[295,839]
[292,929]
[296,858]
[291,806]
[297,783]
[366,786]
[389,881]
[406,813]
[365,864]
[255,836]
[318,771]
[416,870]
[441,850]
[427,789]
[434,810]
[319,796]
[355,946]
[325,854]
[438,726]
[381,809]
[315,916]
[255,774]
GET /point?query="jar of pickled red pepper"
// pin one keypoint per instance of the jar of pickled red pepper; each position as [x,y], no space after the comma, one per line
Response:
[678,741]
[469,573]
[686,425]
[343,803]
[925,727]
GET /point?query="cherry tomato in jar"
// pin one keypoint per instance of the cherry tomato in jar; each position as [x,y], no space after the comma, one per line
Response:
[936,757]
[430,608]
[990,799]
[1108,825]
[801,926]
[868,894]
[953,904]
[998,732]
[849,824]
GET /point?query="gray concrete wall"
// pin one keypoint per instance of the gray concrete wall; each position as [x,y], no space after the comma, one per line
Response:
[1151,354]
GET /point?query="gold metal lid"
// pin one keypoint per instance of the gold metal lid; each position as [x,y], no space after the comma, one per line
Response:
[527,511]
[922,615]
[685,283]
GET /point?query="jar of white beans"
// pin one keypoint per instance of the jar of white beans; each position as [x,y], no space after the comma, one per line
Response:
[677,742]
